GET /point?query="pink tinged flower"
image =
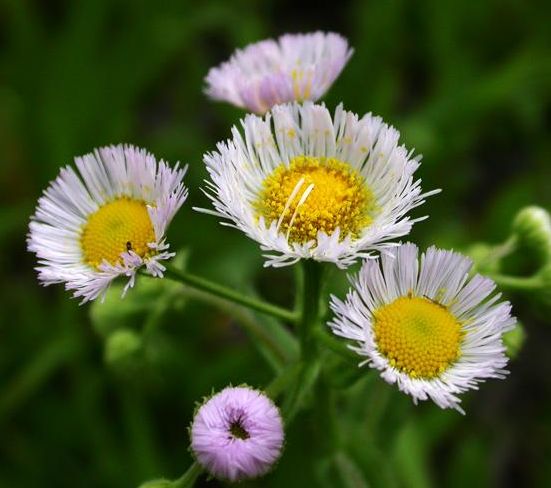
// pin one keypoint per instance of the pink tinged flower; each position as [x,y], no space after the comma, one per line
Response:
[106,219]
[237,434]
[295,67]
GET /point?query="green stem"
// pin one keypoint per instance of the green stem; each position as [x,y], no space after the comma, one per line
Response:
[502,250]
[336,346]
[189,478]
[517,283]
[278,385]
[310,313]
[310,309]
[325,402]
[495,254]
[305,380]
[156,313]
[228,294]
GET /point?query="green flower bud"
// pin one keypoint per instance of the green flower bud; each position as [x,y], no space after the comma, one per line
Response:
[122,345]
[532,226]
[514,340]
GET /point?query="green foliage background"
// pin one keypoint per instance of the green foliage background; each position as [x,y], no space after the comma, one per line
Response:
[468,84]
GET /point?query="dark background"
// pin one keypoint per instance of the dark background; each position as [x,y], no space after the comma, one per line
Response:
[468,85]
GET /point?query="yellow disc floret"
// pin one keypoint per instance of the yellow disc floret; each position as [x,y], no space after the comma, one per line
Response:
[119,226]
[418,336]
[316,194]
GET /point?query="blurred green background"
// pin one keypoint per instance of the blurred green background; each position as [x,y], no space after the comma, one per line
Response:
[467,83]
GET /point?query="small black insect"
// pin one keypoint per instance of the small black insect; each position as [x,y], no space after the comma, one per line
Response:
[128,246]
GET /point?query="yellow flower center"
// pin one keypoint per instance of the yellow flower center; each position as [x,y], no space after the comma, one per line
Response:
[316,194]
[418,336]
[119,226]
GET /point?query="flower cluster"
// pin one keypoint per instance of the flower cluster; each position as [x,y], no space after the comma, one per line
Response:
[306,184]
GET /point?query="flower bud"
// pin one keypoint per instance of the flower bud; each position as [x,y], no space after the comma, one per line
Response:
[122,345]
[237,434]
[514,340]
[532,226]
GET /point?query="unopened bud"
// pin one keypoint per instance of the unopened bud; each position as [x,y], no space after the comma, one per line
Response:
[532,226]
[514,340]
[237,434]
[122,345]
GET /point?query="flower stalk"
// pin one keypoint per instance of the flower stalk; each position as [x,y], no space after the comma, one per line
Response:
[188,479]
[518,283]
[310,315]
[311,305]
[229,294]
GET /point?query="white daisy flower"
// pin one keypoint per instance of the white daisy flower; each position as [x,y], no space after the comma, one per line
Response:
[107,220]
[425,324]
[269,72]
[305,185]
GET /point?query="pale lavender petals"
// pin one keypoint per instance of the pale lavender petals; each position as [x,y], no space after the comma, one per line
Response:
[236,457]
[270,72]
[239,167]
[442,276]
[106,174]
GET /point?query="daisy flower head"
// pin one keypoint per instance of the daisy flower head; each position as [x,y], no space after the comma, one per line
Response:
[237,434]
[106,219]
[270,72]
[305,184]
[425,324]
